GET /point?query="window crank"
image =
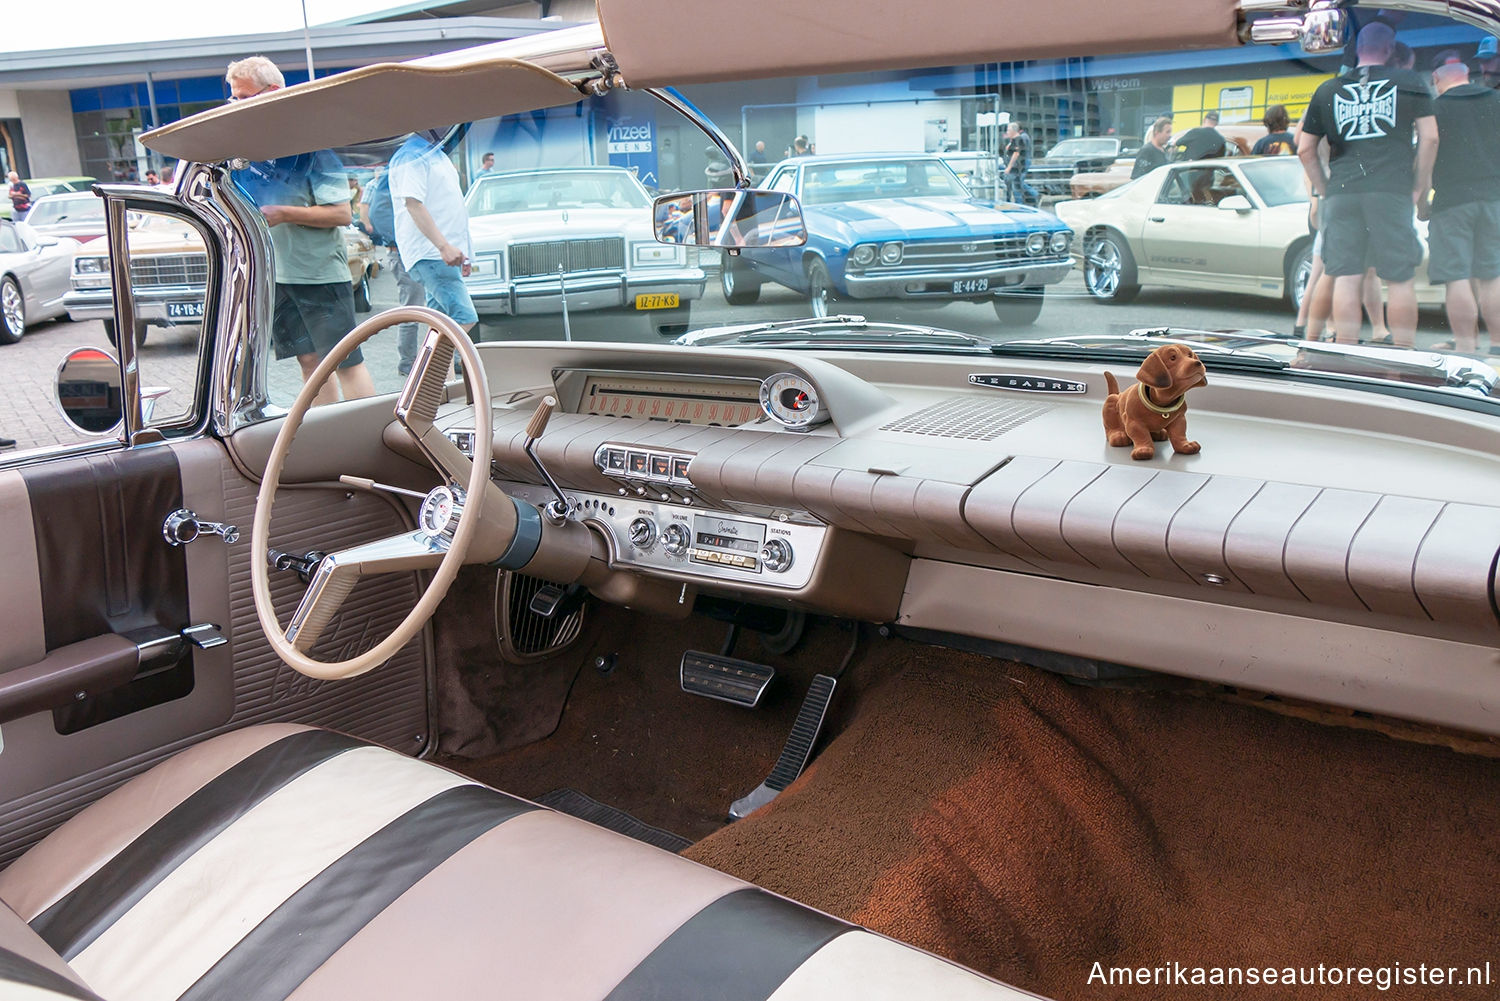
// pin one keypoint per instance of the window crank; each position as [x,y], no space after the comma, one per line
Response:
[183,526]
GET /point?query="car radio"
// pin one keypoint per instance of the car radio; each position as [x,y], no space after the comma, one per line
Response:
[727,542]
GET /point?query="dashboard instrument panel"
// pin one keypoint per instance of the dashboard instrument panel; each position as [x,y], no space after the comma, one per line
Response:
[711,401]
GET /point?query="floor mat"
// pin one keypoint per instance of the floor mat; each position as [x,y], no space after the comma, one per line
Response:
[576,804]
[1032,829]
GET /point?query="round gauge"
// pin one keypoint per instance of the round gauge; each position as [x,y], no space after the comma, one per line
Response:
[439,512]
[791,401]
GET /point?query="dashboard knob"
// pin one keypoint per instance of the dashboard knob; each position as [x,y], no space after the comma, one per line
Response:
[674,539]
[777,554]
[642,533]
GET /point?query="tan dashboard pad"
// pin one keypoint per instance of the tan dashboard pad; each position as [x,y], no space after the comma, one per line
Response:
[338,572]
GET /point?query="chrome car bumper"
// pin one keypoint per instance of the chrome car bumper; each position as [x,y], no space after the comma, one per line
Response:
[150,304]
[914,284]
[531,296]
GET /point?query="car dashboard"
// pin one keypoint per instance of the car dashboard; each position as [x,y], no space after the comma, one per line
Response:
[1331,544]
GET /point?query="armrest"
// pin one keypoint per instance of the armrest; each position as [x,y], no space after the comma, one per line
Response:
[89,667]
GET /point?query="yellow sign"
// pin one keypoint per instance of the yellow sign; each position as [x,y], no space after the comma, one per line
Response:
[1242,100]
[660,300]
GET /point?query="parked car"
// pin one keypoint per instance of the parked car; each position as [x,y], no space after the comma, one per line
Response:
[33,277]
[77,214]
[902,226]
[587,227]
[169,271]
[979,170]
[1227,225]
[41,187]
[1052,174]
[1089,184]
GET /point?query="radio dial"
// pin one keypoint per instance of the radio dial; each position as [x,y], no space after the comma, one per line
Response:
[777,554]
[642,533]
[674,539]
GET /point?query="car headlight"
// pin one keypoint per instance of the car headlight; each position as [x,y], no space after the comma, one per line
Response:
[863,255]
[1059,242]
[890,253]
[486,267]
[1036,243]
[656,255]
[90,265]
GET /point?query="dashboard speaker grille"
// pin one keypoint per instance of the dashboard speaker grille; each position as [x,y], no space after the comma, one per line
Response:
[971,419]
[530,636]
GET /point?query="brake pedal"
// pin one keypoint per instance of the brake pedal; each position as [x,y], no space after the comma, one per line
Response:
[727,679]
[798,750]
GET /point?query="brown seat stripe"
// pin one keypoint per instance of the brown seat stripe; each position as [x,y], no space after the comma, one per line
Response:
[16,969]
[738,948]
[315,922]
[79,917]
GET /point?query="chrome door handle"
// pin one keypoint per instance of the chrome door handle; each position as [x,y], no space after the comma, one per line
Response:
[183,526]
[1158,218]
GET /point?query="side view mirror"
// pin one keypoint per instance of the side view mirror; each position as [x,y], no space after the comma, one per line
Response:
[730,218]
[1237,203]
[88,391]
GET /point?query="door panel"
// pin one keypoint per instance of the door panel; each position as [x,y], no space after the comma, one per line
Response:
[46,776]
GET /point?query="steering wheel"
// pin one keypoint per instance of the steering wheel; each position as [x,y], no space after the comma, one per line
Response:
[450,519]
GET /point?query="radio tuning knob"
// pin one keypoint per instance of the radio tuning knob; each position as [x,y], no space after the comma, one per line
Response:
[642,533]
[777,554]
[674,539]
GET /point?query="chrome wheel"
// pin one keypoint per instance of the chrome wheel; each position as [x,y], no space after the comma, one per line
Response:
[1101,269]
[1297,280]
[12,311]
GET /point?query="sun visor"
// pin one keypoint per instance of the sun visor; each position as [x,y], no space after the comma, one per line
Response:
[373,102]
[666,42]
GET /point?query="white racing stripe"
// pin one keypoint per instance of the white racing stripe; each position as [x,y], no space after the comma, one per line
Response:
[251,868]
[868,967]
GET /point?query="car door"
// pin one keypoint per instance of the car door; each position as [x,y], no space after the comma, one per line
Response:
[1189,240]
[118,647]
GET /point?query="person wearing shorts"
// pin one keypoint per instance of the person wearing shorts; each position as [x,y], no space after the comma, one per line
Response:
[1463,234]
[305,202]
[1374,181]
[432,226]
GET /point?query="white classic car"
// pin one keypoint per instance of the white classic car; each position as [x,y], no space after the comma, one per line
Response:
[33,277]
[583,230]
[830,658]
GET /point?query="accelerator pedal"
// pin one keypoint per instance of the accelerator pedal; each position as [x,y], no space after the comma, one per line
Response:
[798,750]
[727,679]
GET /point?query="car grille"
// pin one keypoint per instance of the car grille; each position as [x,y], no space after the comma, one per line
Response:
[531,260]
[966,253]
[169,269]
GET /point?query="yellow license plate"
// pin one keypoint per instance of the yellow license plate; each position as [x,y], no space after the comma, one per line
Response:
[663,300]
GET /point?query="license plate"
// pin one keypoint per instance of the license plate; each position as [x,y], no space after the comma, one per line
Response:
[184,310]
[659,300]
[965,285]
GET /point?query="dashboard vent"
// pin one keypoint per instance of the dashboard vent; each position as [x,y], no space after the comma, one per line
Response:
[970,419]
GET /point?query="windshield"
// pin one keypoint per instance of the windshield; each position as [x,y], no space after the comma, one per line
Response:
[85,208]
[569,189]
[865,180]
[1208,228]
[1084,147]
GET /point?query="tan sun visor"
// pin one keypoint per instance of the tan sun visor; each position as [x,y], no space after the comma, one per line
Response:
[666,42]
[373,102]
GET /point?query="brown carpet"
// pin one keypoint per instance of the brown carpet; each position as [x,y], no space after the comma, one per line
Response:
[1028,828]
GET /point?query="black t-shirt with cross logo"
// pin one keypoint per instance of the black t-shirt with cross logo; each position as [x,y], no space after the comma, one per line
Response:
[1367,116]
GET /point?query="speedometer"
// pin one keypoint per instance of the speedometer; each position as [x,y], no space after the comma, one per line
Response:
[791,401]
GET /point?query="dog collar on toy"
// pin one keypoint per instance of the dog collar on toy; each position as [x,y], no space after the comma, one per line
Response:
[1140,390]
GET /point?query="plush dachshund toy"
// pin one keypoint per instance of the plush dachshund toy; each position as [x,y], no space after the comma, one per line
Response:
[1155,408]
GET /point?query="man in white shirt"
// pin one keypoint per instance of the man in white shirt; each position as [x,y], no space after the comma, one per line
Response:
[432,226]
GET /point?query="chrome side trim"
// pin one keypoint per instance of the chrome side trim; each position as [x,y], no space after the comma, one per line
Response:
[118,228]
[679,104]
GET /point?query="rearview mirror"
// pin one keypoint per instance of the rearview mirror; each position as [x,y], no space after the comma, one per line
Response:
[88,391]
[730,217]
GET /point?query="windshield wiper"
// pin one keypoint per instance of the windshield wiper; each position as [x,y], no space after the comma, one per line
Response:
[842,319]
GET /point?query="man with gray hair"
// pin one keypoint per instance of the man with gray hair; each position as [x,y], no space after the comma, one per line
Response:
[305,202]
[1463,235]
[1374,181]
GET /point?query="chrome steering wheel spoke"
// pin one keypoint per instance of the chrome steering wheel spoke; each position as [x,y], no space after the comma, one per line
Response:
[426,390]
[338,572]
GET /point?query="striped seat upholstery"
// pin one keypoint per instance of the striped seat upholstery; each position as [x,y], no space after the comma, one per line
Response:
[287,862]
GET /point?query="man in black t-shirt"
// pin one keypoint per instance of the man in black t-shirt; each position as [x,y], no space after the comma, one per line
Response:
[1153,153]
[1463,236]
[1202,143]
[1375,179]
[1017,163]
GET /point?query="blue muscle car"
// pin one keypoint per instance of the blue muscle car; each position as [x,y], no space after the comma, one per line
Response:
[902,226]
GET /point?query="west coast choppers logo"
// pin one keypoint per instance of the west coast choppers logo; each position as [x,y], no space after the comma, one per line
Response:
[1369,110]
